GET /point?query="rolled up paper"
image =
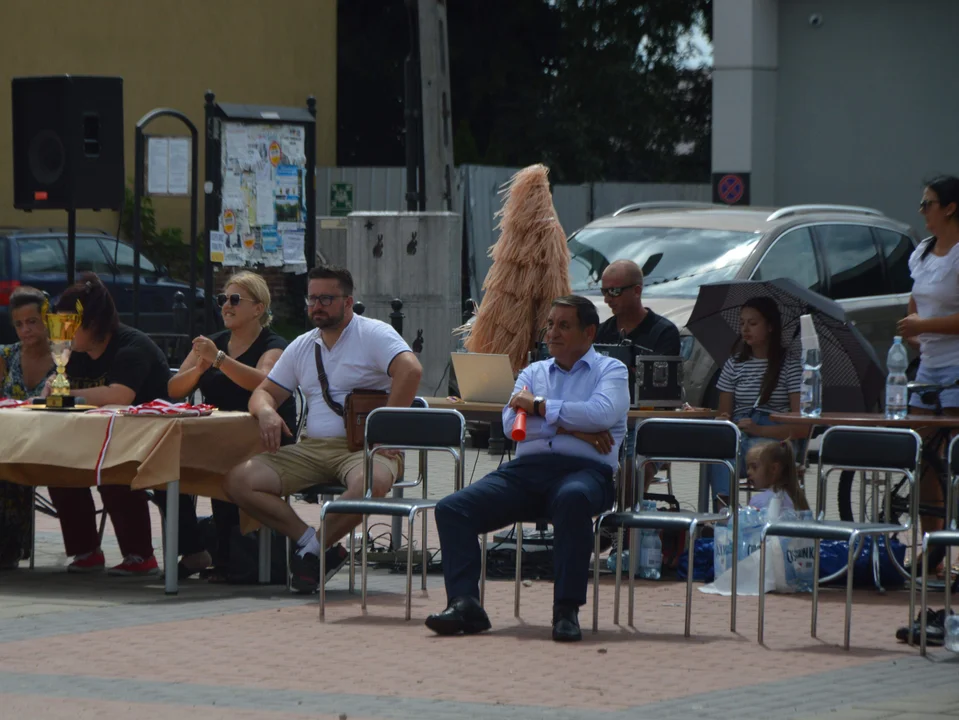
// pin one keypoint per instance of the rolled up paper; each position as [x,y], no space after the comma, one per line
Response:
[519,426]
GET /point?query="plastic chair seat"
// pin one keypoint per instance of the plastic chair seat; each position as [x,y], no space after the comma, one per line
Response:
[399,507]
[649,520]
[829,529]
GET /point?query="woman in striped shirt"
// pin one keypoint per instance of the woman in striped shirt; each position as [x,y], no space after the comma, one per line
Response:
[758,379]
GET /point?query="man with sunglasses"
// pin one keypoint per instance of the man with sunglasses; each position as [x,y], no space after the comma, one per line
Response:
[622,286]
[652,334]
[356,352]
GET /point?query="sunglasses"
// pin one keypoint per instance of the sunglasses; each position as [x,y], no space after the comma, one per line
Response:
[926,204]
[233,299]
[616,291]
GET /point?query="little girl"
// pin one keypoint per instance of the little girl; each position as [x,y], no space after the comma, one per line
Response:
[771,467]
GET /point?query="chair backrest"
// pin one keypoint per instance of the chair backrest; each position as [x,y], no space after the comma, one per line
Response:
[418,402]
[688,440]
[416,428]
[870,448]
[954,457]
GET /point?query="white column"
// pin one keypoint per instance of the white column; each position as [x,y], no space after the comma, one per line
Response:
[745,63]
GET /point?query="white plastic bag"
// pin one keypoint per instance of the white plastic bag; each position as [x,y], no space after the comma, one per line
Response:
[789,561]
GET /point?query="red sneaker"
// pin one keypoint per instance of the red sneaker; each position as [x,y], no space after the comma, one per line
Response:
[88,562]
[136,565]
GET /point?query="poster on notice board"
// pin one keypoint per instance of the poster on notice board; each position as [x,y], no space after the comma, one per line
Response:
[263,213]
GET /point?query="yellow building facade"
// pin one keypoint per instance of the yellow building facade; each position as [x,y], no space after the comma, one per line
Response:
[169,53]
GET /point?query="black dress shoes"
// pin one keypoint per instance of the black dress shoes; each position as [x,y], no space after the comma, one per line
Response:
[566,624]
[463,615]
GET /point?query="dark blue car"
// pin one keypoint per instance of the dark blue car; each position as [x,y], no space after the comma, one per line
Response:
[38,257]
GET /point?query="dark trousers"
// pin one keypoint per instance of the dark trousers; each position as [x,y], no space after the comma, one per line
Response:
[128,511]
[189,539]
[567,490]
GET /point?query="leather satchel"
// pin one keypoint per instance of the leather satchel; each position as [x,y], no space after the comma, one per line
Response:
[359,404]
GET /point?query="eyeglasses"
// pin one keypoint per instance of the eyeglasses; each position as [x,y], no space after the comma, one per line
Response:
[926,204]
[616,291]
[233,299]
[324,300]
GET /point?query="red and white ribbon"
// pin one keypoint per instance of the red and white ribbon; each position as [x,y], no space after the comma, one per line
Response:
[156,407]
[6,403]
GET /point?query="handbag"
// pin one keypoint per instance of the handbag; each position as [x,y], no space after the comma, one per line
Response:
[359,404]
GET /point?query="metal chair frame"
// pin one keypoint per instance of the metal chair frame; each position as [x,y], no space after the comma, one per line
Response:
[395,506]
[328,491]
[820,529]
[948,537]
[649,520]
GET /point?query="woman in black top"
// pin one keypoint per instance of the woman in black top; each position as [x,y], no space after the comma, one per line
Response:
[227,367]
[110,364]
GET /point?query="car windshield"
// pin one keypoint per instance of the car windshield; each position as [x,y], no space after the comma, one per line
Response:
[675,261]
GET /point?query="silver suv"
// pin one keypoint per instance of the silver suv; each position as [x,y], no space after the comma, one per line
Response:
[856,256]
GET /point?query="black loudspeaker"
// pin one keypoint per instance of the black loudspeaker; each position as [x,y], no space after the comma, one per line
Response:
[68,143]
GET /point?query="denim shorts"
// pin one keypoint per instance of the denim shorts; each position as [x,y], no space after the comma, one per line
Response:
[938,376]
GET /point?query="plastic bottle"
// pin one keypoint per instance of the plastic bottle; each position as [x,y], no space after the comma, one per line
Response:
[810,389]
[896,395]
[611,562]
[650,550]
[951,641]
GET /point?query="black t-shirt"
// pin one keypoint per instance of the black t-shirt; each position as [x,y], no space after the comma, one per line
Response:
[131,358]
[219,390]
[655,333]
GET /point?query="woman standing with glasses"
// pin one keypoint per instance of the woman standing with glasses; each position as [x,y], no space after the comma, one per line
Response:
[227,367]
[933,320]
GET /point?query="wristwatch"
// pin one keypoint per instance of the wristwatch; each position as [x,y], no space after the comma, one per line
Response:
[219,359]
[536,403]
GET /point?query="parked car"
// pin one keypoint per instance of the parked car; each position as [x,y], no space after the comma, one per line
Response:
[856,256]
[37,257]
[853,255]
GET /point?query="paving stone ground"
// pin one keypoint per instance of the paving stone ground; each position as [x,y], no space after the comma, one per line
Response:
[80,646]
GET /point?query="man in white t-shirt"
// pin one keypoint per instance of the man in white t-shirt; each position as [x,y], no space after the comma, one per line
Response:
[357,352]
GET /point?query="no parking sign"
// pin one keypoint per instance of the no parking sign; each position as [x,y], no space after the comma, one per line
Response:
[731,188]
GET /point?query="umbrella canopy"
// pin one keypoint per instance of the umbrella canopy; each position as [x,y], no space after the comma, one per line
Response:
[530,269]
[852,378]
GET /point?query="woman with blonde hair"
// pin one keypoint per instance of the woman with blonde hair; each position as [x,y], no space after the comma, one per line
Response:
[227,367]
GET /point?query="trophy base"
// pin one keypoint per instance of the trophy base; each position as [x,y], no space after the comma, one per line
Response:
[59,402]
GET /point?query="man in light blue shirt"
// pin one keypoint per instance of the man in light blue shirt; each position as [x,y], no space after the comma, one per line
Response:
[576,404]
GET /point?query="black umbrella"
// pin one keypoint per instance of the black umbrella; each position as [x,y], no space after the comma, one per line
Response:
[852,378]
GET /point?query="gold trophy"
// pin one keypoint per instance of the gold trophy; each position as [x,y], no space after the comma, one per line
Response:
[61,328]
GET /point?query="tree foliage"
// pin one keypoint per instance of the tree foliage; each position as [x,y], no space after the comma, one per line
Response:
[595,89]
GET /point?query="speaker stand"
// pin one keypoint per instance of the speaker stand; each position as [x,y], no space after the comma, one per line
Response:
[71,246]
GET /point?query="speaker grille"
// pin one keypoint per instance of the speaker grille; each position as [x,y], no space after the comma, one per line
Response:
[46,157]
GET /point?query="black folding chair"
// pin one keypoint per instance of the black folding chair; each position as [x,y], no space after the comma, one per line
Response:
[883,450]
[399,429]
[323,492]
[670,440]
[947,538]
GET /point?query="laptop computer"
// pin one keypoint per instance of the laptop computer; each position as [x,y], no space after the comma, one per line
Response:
[483,377]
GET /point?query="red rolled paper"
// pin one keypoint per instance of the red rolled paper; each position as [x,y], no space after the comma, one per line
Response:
[519,426]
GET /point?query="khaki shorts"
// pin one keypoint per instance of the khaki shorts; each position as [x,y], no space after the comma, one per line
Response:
[314,461]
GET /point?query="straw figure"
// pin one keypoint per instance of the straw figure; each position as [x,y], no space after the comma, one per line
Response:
[530,269]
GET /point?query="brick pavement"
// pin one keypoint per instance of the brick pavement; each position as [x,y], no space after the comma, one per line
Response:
[97,646]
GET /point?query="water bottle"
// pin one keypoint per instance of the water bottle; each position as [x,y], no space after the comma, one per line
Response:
[650,550]
[810,389]
[896,396]
[611,562]
[951,641]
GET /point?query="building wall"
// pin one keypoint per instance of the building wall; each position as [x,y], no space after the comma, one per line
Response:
[867,102]
[169,54]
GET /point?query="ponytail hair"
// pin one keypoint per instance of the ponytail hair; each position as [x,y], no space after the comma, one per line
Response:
[787,480]
[99,314]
